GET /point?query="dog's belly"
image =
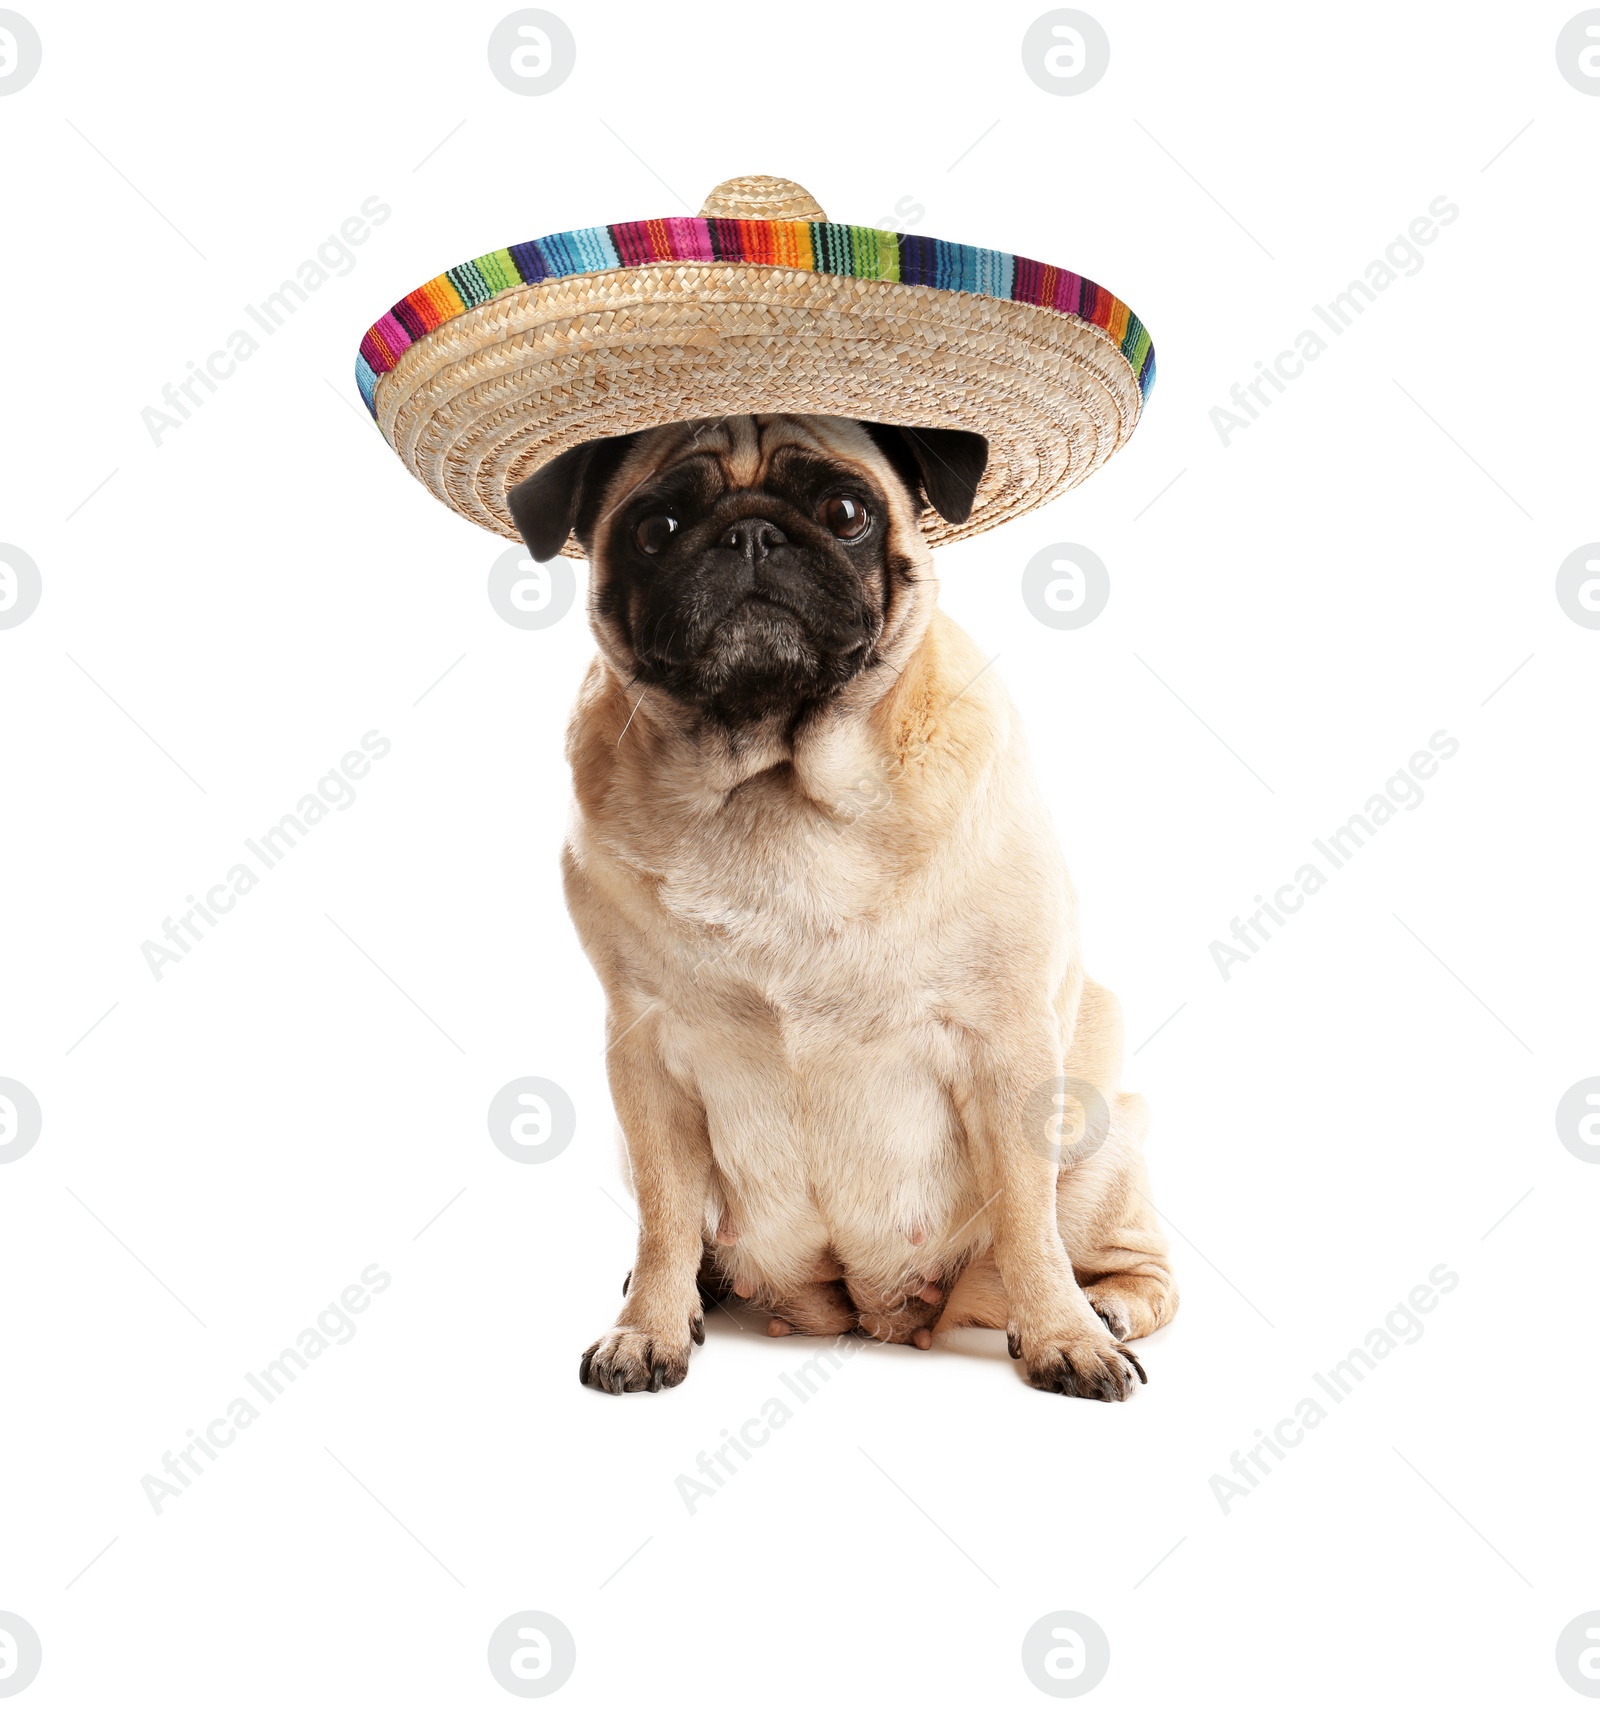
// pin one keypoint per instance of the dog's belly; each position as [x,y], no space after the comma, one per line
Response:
[834,1135]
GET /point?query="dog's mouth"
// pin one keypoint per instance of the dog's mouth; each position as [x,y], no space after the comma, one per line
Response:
[759,639]
[760,596]
[757,656]
[761,605]
[702,625]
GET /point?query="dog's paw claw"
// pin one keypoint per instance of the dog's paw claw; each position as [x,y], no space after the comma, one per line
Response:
[628,1361]
[1085,1367]
[1114,1317]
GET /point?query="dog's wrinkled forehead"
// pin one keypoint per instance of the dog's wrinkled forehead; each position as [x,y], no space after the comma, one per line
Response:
[743,452]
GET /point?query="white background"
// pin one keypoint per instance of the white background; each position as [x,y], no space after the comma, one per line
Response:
[1358,1104]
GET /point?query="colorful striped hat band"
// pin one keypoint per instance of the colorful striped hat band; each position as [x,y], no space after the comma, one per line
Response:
[758,306]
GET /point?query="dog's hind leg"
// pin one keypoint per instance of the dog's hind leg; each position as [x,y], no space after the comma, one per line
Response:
[1103,1208]
[1109,1227]
[977,1298]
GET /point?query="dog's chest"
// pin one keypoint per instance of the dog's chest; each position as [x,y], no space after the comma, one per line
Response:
[798,939]
[810,1017]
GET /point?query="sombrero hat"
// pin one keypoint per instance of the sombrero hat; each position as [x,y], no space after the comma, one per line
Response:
[760,305]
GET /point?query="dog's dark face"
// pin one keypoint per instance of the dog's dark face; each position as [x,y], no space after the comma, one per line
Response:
[749,566]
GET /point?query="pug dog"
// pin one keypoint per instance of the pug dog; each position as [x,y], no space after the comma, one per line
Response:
[862,1077]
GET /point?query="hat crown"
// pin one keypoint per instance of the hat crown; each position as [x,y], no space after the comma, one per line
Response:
[758,197]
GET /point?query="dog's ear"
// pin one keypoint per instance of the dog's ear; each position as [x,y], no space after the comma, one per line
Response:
[564,495]
[945,463]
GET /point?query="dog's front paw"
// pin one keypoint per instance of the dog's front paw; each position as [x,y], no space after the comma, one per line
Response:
[1088,1366]
[624,1361]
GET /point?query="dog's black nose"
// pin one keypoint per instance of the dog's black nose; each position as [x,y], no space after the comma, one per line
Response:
[754,537]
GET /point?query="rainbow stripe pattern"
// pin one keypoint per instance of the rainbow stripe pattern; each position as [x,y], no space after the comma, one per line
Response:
[811,246]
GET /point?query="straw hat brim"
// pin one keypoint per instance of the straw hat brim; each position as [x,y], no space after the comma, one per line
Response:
[490,370]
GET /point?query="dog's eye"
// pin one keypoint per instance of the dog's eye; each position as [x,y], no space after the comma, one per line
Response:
[845,517]
[653,532]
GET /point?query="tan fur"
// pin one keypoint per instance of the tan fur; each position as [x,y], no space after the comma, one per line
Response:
[839,966]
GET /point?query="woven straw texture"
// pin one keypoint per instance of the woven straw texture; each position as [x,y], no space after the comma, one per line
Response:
[761,198]
[476,404]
